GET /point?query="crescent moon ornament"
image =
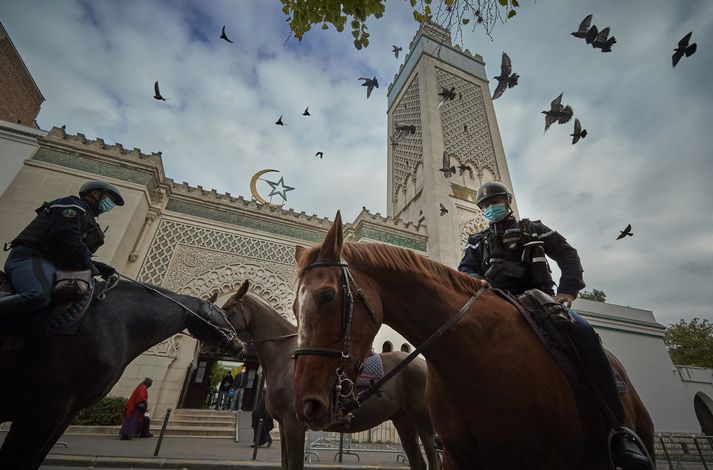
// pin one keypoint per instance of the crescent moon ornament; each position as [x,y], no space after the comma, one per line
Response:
[279,188]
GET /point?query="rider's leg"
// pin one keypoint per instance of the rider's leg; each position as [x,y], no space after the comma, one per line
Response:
[32,277]
[627,454]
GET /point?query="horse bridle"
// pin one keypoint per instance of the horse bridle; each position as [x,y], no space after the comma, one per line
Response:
[344,385]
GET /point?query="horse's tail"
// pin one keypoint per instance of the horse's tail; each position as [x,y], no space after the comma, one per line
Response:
[640,420]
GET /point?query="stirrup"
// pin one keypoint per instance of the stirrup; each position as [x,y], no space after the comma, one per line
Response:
[623,430]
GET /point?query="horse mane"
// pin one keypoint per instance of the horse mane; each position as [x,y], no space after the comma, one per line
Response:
[401,260]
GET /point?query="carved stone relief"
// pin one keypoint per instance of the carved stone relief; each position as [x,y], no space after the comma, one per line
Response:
[408,152]
[466,134]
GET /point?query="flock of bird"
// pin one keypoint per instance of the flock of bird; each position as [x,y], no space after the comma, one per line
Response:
[557,113]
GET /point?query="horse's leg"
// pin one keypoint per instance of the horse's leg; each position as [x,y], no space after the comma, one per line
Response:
[295,443]
[409,441]
[425,432]
[283,446]
[31,437]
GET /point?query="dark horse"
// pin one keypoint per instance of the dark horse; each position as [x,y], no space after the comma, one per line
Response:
[401,400]
[55,377]
[496,396]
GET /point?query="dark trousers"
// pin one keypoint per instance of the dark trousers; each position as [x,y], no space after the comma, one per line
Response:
[32,275]
[589,347]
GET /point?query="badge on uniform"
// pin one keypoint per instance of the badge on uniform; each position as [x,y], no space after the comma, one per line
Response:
[69,213]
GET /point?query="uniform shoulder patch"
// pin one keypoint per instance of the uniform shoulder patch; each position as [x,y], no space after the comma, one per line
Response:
[69,213]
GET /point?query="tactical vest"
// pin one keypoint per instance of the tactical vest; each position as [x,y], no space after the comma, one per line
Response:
[515,260]
[37,233]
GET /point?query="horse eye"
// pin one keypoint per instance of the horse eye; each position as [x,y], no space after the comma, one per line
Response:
[325,297]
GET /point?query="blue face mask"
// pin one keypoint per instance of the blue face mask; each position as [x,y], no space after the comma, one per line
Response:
[105,205]
[496,212]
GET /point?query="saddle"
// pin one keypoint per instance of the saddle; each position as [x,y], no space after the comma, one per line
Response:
[372,371]
[61,317]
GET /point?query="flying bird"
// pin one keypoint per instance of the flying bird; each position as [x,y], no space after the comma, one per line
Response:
[157,92]
[444,211]
[591,34]
[463,167]
[319,154]
[584,28]
[279,121]
[446,95]
[579,133]
[369,83]
[506,79]
[396,51]
[603,42]
[224,36]
[624,233]
[447,169]
[684,48]
[306,113]
[401,131]
[557,113]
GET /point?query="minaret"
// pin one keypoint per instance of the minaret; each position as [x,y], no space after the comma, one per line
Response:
[465,128]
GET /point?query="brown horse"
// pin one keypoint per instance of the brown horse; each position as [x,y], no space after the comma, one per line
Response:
[496,396]
[401,400]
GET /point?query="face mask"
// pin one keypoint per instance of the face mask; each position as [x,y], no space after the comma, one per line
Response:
[496,212]
[105,205]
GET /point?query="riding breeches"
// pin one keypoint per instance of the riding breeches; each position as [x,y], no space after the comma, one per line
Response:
[32,276]
[590,349]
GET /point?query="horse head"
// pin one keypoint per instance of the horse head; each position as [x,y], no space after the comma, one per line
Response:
[213,326]
[336,326]
[238,315]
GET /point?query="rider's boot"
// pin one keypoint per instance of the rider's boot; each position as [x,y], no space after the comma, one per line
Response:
[626,453]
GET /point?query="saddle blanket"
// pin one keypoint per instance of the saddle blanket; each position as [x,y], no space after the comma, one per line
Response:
[373,370]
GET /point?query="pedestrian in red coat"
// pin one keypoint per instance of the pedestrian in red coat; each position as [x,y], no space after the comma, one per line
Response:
[134,420]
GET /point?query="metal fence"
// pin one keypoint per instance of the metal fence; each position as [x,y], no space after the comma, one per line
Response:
[684,451]
[674,451]
[382,438]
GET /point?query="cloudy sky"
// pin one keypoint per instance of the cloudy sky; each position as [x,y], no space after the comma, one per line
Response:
[646,161]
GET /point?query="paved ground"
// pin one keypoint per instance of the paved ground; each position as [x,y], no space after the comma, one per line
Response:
[191,453]
[109,452]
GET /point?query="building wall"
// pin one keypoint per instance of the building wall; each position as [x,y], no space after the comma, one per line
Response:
[20,99]
[17,143]
[698,384]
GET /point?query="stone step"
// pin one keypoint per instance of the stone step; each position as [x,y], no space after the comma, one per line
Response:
[214,419]
[200,412]
[198,422]
[183,431]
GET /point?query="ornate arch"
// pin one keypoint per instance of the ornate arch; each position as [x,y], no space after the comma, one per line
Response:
[271,287]
[470,226]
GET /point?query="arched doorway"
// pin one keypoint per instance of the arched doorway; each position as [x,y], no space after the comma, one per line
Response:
[703,406]
[387,347]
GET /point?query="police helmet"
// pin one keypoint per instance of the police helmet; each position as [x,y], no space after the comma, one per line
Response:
[490,190]
[102,186]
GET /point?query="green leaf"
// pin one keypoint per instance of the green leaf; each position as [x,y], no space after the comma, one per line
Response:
[466,21]
[503,2]
[449,3]
[515,3]
[413,3]
[355,33]
[512,13]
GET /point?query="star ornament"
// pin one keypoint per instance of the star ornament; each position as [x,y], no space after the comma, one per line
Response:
[279,189]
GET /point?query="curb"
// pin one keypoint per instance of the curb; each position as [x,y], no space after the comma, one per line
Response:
[187,464]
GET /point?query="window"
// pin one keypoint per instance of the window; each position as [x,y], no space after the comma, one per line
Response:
[387,347]
[406,348]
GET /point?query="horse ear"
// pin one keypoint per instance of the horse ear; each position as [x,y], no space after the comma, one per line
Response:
[333,242]
[242,291]
[213,297]
[299,251]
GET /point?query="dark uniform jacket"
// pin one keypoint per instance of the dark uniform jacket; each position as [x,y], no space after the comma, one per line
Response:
[66,230]
[505,241]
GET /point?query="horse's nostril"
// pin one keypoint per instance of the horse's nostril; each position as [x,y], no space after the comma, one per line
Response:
[312,408]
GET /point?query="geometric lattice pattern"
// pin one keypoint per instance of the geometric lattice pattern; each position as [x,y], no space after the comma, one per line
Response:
[466,134]
[408,153]
[170,234]
[469,225]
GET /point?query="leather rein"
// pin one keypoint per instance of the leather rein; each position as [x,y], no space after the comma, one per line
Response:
[349,401]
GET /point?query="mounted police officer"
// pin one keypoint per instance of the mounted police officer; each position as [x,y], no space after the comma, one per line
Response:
[510,255]
[63,235]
